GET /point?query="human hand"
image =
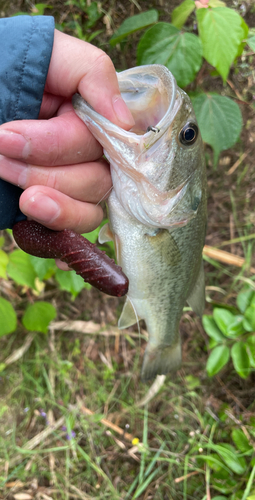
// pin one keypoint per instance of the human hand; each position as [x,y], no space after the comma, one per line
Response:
[55,159]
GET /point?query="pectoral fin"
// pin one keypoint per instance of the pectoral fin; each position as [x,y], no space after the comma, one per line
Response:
[196,298]
[105,234]
[128,316]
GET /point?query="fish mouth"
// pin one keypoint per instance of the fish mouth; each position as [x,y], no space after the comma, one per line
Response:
[150,94]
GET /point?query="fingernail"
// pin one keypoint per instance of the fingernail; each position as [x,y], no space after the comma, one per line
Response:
[122,112]
[14,144]
[41,208]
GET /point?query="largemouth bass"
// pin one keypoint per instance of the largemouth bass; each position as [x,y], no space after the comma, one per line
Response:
[157,208]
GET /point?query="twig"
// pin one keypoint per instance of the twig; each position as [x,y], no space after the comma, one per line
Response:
[225,257]
[105,422]
[89,327]
[30,445]
[238,162]
[182,478]
[18,353]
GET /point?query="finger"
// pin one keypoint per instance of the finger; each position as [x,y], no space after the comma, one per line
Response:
[88,182]
[78,65]
[50,105]
[59,141]
[58,211]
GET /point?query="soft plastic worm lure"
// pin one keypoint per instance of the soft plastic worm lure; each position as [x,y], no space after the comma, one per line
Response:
[86,259]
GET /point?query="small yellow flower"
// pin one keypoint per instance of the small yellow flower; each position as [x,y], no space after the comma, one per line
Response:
[135,441]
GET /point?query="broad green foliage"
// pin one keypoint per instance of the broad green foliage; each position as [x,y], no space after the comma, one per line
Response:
[71,282]
[221,32]
[219,119]
[232,335]
[222,35]
[180,52]
[8,317]
[38,316]
[133,24]
[181,13]
[20,268]
[29,271]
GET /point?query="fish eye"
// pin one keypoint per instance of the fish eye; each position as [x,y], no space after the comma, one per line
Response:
[188,134]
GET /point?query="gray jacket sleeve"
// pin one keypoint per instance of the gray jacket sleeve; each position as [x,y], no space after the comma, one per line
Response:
[26,45]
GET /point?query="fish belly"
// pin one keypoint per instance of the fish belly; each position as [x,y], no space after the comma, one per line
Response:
[162,268]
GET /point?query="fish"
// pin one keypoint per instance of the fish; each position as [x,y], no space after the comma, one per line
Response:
[157,207]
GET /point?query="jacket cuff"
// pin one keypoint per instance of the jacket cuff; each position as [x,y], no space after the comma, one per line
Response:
[26,47]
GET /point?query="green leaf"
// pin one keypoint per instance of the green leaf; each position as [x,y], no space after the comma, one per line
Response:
[217,359]
[181,13]
[236,328]
[250,344]
[240,359]
[219,119]
[219,498]
[250,316]
[44,268]
[180,52]
[211,329]
[221,32]
[243,299]
[20,268]
[228,454]
[133,24]
[3,264]
[216,3]
[251,43]
[38,316]
[8,318]
[93,235]
[2,240]
[241,441]
[71,282]
[223,318]
[93,14]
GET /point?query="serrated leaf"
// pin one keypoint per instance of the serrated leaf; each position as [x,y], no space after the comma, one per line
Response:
[217,359]
[241,441]
[211,329]
[3,264]
[243,299]
[133,24]
[8,318]
[223,318]
[251,43]
[181,13]
[221,32]
[219,119]
[38,316]
[20,269]
[71,282]
[180,52]
[240,359]
[44,268]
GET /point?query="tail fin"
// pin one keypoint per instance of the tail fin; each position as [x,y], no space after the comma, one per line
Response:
[160,360]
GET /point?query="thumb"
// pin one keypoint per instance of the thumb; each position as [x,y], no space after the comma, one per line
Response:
[79,66]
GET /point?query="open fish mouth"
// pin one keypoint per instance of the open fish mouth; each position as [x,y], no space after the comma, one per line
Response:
[142,159]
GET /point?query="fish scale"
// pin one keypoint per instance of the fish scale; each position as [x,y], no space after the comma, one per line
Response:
[157,208]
